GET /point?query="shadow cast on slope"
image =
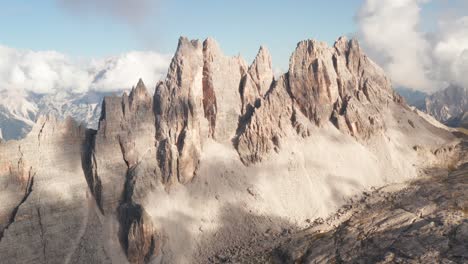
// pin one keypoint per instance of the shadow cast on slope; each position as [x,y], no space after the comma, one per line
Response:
[424,222]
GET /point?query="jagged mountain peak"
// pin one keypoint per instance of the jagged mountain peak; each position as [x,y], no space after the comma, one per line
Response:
[184,43]
[212,44]
[218,144]
[139,94]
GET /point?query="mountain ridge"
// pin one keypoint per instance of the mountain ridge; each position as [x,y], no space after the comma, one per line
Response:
[170,177]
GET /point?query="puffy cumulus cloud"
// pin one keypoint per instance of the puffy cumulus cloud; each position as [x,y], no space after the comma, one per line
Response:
[450,51]
[123,71]
[48,71]
[391,33]
[40,72]
[389,30]
[129,11]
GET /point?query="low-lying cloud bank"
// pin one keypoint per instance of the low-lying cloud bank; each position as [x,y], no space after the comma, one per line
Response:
[391,32]
[49,71]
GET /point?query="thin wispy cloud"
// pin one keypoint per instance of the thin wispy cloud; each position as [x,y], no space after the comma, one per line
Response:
[133,12]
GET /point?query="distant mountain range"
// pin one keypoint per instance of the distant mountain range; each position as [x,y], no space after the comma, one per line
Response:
[449,106]
[222,160]
[20,110]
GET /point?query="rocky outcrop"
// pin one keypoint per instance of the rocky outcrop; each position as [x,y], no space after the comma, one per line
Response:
[188,109]
[44,196]
[79,195]
[179,112]
[263,131]
[425,222]
[338,84]
[341,82]
[275,118]
[221,81]
[124,168]
[257,81]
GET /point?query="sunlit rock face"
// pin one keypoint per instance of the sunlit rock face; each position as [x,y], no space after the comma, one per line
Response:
[338,84]
[172,176]
[417,224]
[46,196]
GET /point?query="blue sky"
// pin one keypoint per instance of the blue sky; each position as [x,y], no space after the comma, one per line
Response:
[239,26]
[427,38]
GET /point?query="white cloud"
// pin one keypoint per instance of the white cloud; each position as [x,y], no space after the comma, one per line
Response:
[49,71]
[390,31]
[451,51]
[123,71]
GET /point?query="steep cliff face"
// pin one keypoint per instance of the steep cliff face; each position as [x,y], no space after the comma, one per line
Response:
[124,168]
[47,214]
[179,110]
[222,77]
[338,84]
[172,177]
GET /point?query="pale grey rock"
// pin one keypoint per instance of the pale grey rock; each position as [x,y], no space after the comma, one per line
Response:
[261,70]
[78,195]
[179,109]
[312,79]
[393,227]
[124,168]
[338,84]
[52,207]
[267,126]
[257,81]
[222,77]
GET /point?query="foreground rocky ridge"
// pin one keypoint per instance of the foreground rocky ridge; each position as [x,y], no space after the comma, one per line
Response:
[153,182]
[425,222]
[420,221]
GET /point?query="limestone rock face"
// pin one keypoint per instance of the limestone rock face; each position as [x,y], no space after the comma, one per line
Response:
[124,168]
[312,79]
[268,124]
[221,80]
[423,223]
[338,84]
[257,81]
[261,71]
[179,110]
[199,99]
[50,216]
[77,195]
[320,77]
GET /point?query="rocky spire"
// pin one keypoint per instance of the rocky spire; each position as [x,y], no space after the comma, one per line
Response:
[257,81]
[139,95]
[261,70]
[179,110]
[338,84]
